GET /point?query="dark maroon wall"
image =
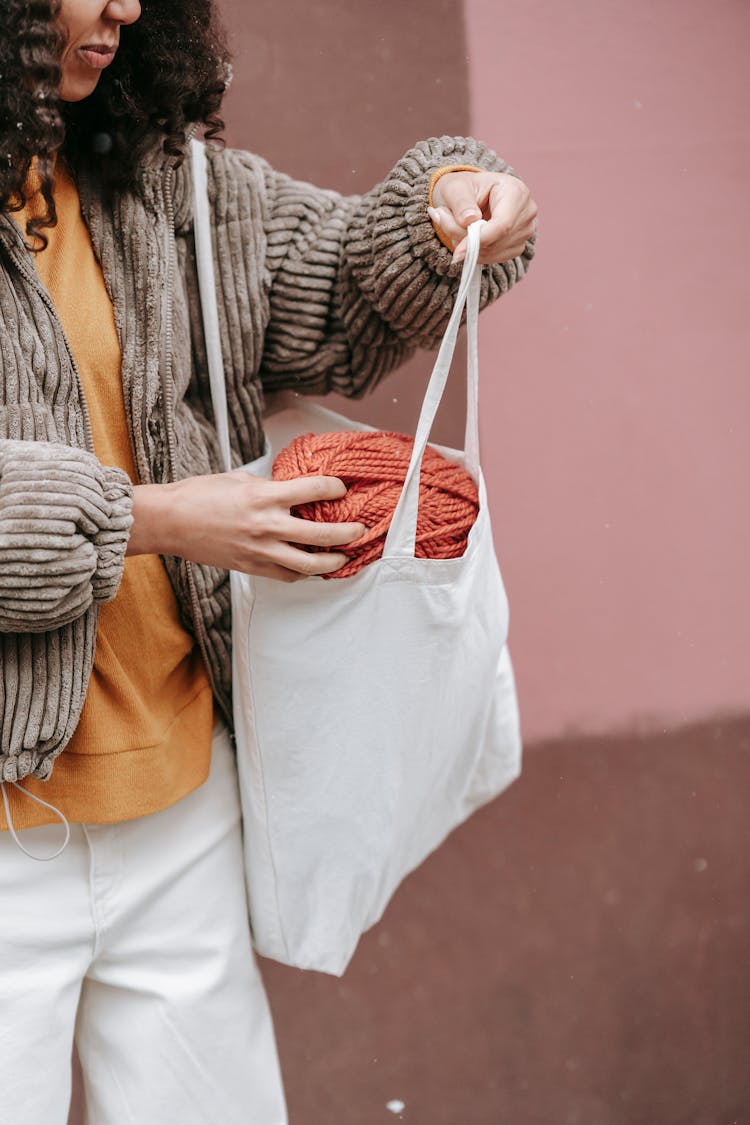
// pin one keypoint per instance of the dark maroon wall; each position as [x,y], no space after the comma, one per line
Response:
[334,93]
[577,954]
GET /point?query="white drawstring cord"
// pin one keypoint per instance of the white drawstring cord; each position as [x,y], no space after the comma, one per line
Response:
[39,801]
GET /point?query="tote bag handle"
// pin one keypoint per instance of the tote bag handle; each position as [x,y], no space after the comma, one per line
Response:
[207,288]
[402,533]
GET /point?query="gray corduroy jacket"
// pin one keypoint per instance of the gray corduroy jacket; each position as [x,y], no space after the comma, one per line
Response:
[317,292]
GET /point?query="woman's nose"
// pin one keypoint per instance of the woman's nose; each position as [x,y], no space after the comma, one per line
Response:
[123,11]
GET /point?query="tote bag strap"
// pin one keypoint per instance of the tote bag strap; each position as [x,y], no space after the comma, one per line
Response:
[402,534]
[207,288]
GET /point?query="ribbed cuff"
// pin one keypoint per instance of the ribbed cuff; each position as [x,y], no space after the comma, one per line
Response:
[402,269]
[64,523]
[112,540]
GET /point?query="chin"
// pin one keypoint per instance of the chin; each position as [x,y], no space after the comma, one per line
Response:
[77,91]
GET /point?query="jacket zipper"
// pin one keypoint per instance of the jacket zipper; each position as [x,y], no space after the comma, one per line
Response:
[167,390]
[32,277]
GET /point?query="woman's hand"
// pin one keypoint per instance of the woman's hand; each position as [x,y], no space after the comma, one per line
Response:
[241,522]
[460,198]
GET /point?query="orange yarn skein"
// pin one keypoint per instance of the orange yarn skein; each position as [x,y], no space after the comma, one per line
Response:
[373,467]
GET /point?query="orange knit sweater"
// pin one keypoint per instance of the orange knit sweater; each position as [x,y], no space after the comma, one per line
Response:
[144,738]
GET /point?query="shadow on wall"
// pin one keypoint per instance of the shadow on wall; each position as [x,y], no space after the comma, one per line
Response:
[335,92]
[576,954]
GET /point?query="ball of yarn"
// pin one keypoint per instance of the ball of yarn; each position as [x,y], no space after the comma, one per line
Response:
[372,465]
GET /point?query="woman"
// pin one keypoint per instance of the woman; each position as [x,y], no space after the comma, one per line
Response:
[117,528]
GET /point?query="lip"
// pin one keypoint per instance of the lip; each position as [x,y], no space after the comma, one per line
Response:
[97,55]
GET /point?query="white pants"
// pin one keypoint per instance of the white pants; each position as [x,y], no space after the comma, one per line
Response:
[136,940]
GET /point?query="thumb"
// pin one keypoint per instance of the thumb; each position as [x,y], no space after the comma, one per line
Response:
[460,198]
[467,212]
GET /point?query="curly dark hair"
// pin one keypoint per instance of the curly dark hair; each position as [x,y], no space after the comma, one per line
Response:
[170,73]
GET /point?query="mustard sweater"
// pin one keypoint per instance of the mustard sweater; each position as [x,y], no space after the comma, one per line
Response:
[149,689]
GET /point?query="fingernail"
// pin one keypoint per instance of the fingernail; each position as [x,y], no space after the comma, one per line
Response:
[434,216]
[458,256]
[471,213]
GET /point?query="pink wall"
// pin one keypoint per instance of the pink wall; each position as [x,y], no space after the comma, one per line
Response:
[615,396]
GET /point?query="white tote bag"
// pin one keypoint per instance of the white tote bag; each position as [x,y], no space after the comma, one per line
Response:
[374,713]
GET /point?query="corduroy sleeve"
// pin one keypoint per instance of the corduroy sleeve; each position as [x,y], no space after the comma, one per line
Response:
[356,283]
[64,524]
